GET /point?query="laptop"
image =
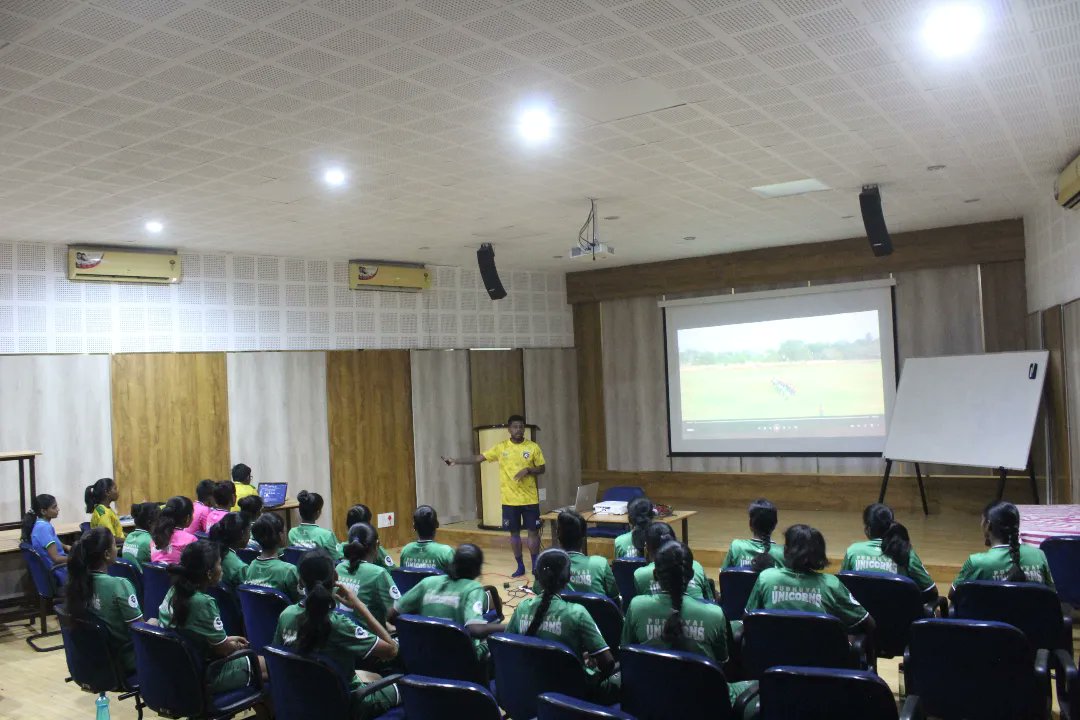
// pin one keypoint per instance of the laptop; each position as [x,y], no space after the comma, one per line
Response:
[272,493]
[584,500]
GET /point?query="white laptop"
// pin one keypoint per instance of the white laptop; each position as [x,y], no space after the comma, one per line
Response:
[584,500]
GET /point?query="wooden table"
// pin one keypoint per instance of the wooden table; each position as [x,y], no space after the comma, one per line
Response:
[677,516]
[21,456]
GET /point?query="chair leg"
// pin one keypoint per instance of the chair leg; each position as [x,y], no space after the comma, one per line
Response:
[45,632]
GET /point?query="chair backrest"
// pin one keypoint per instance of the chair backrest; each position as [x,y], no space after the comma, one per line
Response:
[40,571]
[528,666]
[156,582]
[261,608]
[1034,608]
[293,554]
[805,693]
[624,577]
[232,616]
[735,586]
[170,671]
[407,578]
[973,669]
[659,684]
[1063,557]
[790,637]
[124,568]
[305,686]
[86,646]
[605,613]
[247,555]
[894,601]
[428,697]
[556,706]
[437,647]
[623,493]
[84,527]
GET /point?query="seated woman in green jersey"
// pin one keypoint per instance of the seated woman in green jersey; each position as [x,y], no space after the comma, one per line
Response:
[802,586]
[632,544]
[672,620]
[138,541]
[759,552]
[364,576]
[268,569]
[425,553]
[1006,559]
[307,534]
[312,626]
[194,614]
[549,617]
[588,573]
[93,593]
[456,596]
[657,535]
[361,513]
[888,549]
[231,533]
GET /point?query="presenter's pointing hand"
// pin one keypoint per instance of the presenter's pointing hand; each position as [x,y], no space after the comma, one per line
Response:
[449,461]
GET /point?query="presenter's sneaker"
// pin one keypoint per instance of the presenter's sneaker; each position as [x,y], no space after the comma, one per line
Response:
[520,569]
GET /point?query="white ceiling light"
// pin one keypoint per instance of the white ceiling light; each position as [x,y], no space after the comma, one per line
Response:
[154,226]
[535,124]
[334,177]
[952,29]
[793,187]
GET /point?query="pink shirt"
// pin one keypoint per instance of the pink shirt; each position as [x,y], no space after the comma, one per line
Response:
[211,518]
[197,517]
[179,540]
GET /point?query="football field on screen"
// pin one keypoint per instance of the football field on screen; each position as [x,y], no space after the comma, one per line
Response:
[753,391]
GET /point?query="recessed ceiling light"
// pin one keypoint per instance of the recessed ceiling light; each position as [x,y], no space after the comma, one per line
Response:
[690,238]
[952,29]
[334,177]
[535,124]
[794,187]
[154,226]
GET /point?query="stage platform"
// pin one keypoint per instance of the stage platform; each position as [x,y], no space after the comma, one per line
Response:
[943,540]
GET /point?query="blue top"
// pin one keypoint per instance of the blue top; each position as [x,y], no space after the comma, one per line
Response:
[42,536]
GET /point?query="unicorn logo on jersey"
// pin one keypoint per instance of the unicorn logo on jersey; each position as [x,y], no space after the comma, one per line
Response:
[448,600]
[360,633]
[96,602]
[1033,573]
[394,592]
[582,578]
[865,562]
[693,629]
[785,593]
[551,625]
[218,625]
[133,601]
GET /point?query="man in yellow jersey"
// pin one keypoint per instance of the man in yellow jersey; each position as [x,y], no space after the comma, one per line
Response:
[520,462]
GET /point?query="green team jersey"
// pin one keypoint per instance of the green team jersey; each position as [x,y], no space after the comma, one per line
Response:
[784,589]
[995,564]
[867,557]
[373,585]
[624,546]
[742,553]
[427,554]
[205,630]
[116,605]
[310,535]
[233,569]
[565,622]
[383,557]
[462,601]
[646,584]
[137,547]
[588,573]
[274,573]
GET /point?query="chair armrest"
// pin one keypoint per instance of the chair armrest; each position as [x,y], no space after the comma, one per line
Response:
[912,709]
[1065,673]
[377,685]
[744,699]
[249,653]
[860,648]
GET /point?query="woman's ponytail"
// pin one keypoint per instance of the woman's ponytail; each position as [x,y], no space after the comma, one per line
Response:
[896,545]
[764,559]
[87,553]
[674,570]
[196,563]
[1003,523]
[553,573]
[362,539]
[317,575]
[640,513]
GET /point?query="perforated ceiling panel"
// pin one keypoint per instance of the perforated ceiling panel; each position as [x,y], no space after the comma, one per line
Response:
[218,116]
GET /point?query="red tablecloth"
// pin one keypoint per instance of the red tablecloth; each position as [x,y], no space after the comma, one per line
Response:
[1038,522]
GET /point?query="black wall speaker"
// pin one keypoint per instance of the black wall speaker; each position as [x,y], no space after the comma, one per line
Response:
[485,258]
[874,220]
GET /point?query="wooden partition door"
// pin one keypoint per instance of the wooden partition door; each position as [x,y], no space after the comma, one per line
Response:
[496,391]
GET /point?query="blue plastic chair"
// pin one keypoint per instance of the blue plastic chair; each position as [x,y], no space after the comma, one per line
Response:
[124,568]
[805,693]
[440,648]
[526,667]
[428,697]
[91,662]
[232,616]
[624,570]
[84,527]
[976,669]
[156,584]
[173,677]
[407,578]
[693,687]
[556,706]
[45,585]
[607,615]
[790,637]
[619,493]
[312,687]
[1063,556]
[735,586]
[261,608]
[247,555]
[894,601]
[294,554]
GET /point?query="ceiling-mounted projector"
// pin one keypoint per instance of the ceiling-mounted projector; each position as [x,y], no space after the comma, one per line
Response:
[595,251]
[588,244]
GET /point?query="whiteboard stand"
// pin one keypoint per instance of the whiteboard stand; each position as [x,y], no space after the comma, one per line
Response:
[918,476]
[1003,473]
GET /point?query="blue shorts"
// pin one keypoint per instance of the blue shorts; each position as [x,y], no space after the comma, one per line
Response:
[516,517]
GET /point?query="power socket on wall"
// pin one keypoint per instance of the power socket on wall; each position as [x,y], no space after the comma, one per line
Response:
[386,520]
[542,492]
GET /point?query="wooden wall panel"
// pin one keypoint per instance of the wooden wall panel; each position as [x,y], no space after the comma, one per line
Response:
[170,419]
[999,241]
[1057,406]
[588,344]
[1004,306]
[1040,449]
[369,417]
[497,391]
[1071,352]
[551,402]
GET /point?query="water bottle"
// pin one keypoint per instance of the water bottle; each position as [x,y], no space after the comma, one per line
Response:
[102,704]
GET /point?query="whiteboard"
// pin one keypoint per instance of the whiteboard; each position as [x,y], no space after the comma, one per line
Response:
[967,409]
